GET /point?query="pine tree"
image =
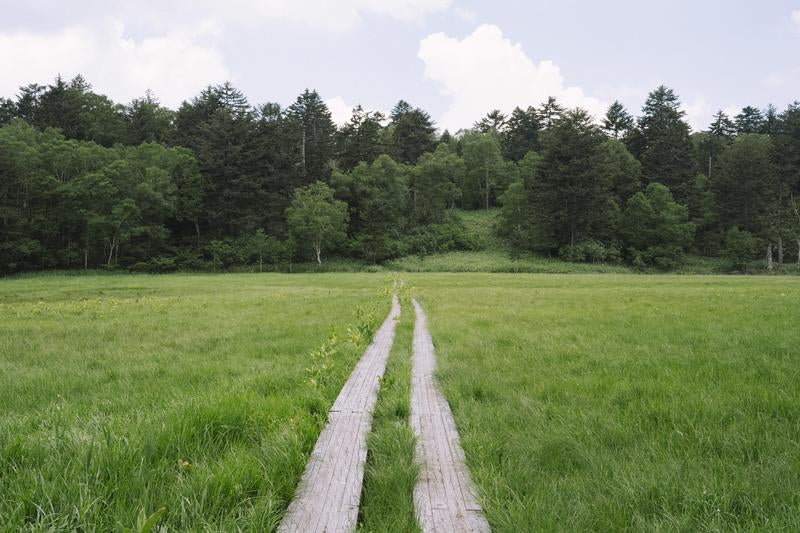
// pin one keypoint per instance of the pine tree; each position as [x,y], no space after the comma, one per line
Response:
[494,121]
[617,122]
[521,134]
[664,146]
[147,121]
[360,139]
[314,131]
[570,199]
[722,126]
[412,132]
[549,112]
[750,120]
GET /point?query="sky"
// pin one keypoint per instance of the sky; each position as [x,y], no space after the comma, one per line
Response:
[457,59]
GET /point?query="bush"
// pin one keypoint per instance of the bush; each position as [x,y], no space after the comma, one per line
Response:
[438,238]
[740,248]
[155,265]
[224,253]
[589,251]
[655,228]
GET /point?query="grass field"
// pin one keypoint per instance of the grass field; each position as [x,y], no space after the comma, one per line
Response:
[123,394]
[584,402]
[624,402]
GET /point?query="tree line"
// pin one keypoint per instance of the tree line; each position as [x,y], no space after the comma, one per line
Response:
[86,182]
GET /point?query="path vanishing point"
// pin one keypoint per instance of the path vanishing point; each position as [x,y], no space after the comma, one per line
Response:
[328,495]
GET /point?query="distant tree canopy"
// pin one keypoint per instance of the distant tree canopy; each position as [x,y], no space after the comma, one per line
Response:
[86,182]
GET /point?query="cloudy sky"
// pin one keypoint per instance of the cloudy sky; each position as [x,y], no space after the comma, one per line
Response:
[455,58]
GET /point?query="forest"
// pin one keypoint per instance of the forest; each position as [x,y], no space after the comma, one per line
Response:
[88,183]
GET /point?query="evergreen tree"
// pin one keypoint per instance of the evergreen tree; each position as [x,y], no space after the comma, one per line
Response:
[314,131]
[147,121]
[722,126]
[549,112]
[664,146]
[570,199]
[412,132]
[750,120]
[617,122]
[359,140]
[521,134]
[8,111]
[494,121]
[746,172]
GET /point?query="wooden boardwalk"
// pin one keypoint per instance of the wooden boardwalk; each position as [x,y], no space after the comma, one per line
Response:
[444,496]
[329,492]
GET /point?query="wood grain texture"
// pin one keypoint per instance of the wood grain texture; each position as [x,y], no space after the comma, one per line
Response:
[444,496]
[329,492]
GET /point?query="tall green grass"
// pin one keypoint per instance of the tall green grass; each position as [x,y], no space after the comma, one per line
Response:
[120,395]
[387,502]
[614,403]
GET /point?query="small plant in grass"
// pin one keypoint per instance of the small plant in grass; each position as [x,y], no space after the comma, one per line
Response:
[146,524]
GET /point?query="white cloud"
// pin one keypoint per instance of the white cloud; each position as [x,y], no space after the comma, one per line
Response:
[485,71]
[796,18]
[340,111]
[699,113]
[175,65]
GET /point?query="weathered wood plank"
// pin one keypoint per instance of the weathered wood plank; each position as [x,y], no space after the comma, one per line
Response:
[444,496]
[329,492]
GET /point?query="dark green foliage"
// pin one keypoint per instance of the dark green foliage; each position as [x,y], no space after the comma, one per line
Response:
[621,170]
[570,198]
[750,120]
[661,142]
[617,122]
[8,110]
[86,182]
[493,122]
[655,229]
[147,121]
[377,196]
[515,220]
[740,248]
[550,111]
[434,185]
[412,132]
[521,134]
[313,130]
[359,140]
[742,187]
[589,251]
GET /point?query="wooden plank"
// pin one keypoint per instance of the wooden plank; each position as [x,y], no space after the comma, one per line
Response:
[445,499]
[329,493]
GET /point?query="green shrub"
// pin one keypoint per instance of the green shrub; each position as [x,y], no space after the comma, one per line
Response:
[740,248]
[589,251]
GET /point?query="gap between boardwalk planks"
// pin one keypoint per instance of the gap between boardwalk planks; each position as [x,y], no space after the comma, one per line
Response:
[329,492]
[444,496]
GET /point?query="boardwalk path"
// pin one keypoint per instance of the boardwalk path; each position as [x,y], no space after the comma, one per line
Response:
[329,492]
[444,497]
